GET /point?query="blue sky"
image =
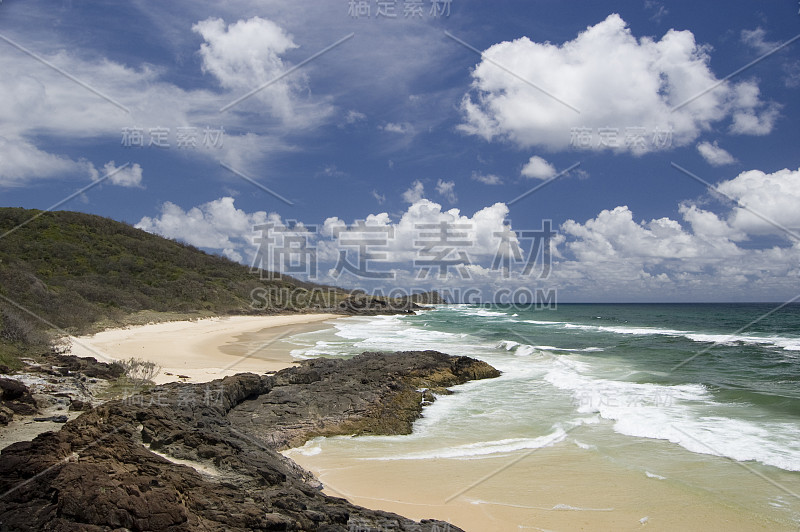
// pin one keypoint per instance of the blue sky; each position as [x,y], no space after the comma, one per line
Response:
[403,121]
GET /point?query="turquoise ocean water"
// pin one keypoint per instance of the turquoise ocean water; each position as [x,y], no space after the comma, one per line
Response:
[707,381]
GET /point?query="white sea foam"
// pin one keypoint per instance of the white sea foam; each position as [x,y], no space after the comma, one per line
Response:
[483,313]
[789,344]
[570,508]
[653,475]
[312,447]
[508,345]
[683,414]
[525,350]
[571,350]
[625,330]
[483,448]
[584,446]
[557,507]
[386,333]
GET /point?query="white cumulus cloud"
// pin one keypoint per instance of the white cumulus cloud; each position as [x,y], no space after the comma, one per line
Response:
[247,55]
[757,40]
[607,80]
[447,189]
[617,256]
[22,162]
[479,231]
[401,128]
[38,103]
[613,254]
[487,179]
[765,198]
[354,116]
[415,193]
[217,225]
[123,176]
[714,155]
[538,168]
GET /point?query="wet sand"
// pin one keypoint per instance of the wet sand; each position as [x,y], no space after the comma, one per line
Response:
[559,488]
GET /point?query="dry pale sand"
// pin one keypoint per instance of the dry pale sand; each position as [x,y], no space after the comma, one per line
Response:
[24,428]
[204,350]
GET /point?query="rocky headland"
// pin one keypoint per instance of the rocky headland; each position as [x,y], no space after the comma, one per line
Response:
[206,456]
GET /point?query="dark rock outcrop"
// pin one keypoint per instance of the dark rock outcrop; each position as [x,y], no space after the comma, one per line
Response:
[428,298]
[366,305]
[15,398]
[76,405]
[101,470]
[55,382]
[375,393]
[89,367]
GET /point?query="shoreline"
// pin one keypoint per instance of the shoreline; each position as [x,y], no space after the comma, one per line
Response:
[214,349]
[552,489]
[562,487]
[203,350]
[132,457]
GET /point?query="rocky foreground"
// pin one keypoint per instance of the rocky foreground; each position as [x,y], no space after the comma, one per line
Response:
[205,456]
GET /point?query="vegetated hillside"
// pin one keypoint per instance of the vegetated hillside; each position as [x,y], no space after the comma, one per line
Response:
[80,272]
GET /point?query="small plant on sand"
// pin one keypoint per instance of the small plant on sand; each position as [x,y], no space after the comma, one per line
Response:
[140,372]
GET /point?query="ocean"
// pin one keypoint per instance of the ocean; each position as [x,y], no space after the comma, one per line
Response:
[648,407]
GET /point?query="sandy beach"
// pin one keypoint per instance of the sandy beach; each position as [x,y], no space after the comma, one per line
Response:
[557,488]
[207,349]
[617,485]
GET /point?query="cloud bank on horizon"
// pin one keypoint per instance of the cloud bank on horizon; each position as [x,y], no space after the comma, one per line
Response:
[612,253]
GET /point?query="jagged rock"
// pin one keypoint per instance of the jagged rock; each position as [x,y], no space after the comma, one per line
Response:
[97,473]
[427,298]
[374,393]
[77,405]
[6,415]
[88,366]
[366,305]
[12,390]
[15,398]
